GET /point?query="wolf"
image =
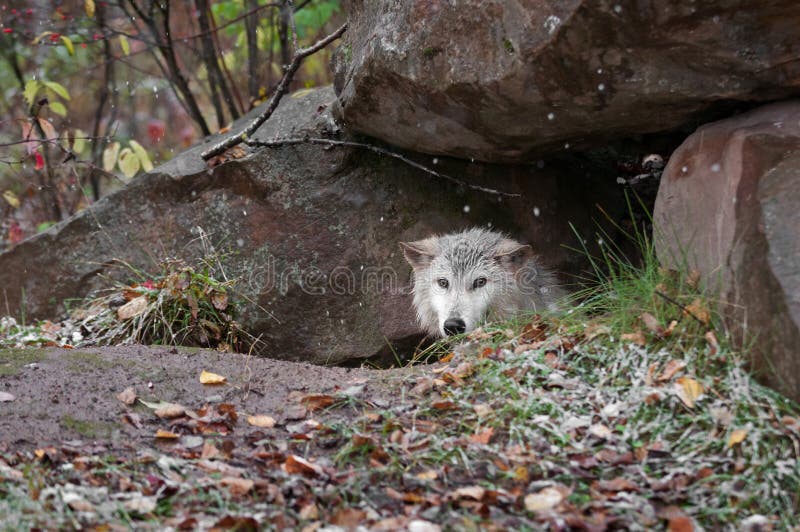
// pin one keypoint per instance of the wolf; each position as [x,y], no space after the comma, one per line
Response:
[462,279]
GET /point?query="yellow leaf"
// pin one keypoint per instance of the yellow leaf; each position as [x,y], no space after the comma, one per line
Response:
[123,43]
[11,198]
[688,390]
[737,436]
[80,141]
[58,88]
[128,162]
[88,6]
[166,435]
[266,422]
[68,43]
[206,377]
[141,153]
[31,88]
[110,156]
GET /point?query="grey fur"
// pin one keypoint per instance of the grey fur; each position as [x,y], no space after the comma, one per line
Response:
[515,281]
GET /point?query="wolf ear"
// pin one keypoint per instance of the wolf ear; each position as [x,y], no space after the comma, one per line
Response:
[419,254]
[512,255]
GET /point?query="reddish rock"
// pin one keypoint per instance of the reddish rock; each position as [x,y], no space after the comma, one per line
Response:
[729,203]
[503,80]
[312,233]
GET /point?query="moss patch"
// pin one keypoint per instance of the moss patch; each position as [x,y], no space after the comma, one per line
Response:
[13,360]
[88,428]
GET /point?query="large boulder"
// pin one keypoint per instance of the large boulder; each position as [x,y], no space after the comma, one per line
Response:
[311,232]
[729,205]
[506,80]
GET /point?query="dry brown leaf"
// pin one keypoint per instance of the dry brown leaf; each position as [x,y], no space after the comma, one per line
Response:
[482,437]
[430,474]
[693,279]
[316,401]
[711,338]
[547,499]
[688,390]
[127,396]
[447,358]
[469,492]
[444,405]
[237,486]
[672,367]
[637,338]
[618,484]
[132,308]
[209,451]
[699,310]
[651,323]
[262,421]
[206,377]
[600,431]
[166,435]
[297,465]
[482,409]
[680,524]
[736,437]
[348,518]
[170,410]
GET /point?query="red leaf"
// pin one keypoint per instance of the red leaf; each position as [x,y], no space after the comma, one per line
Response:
[39,160]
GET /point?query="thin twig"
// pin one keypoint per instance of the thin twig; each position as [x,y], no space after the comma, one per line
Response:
[682,307]
[276,97]
[377,149]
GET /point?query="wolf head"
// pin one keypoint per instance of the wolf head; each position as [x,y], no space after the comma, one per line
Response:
[461,279]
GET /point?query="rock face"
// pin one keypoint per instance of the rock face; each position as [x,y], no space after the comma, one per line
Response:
[312,233]
[729,202]
[504,80]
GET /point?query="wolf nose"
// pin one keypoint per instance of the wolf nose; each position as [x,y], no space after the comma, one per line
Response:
[454,326]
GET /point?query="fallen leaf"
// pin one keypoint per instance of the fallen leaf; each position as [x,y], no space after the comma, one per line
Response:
[651,323]
[127,396]
[672,367]
[698,309]
[600,431]
[206,377]
[297,465]
[209,451]
[348,518]
[141,504]
[546,499]
[266,422]
[680,524]
[237,486]
[736,437]
[132,308]
[688,390]
[316,401]
[166,435]
[469,492]
[482,437]
[482,409]
[76,502]
[6,397]
[711,338]
[636,338]
[618,484]
[169,411]
[430,474]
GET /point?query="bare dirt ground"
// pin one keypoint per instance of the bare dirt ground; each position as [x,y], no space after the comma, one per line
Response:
[71,394]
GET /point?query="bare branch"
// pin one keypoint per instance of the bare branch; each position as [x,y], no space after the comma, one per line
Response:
[382,151]
[276,97]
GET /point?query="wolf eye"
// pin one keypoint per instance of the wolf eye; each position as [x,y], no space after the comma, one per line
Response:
[479,282]
[444,283]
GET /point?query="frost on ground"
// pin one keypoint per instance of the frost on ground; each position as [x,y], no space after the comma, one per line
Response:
[538,426]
